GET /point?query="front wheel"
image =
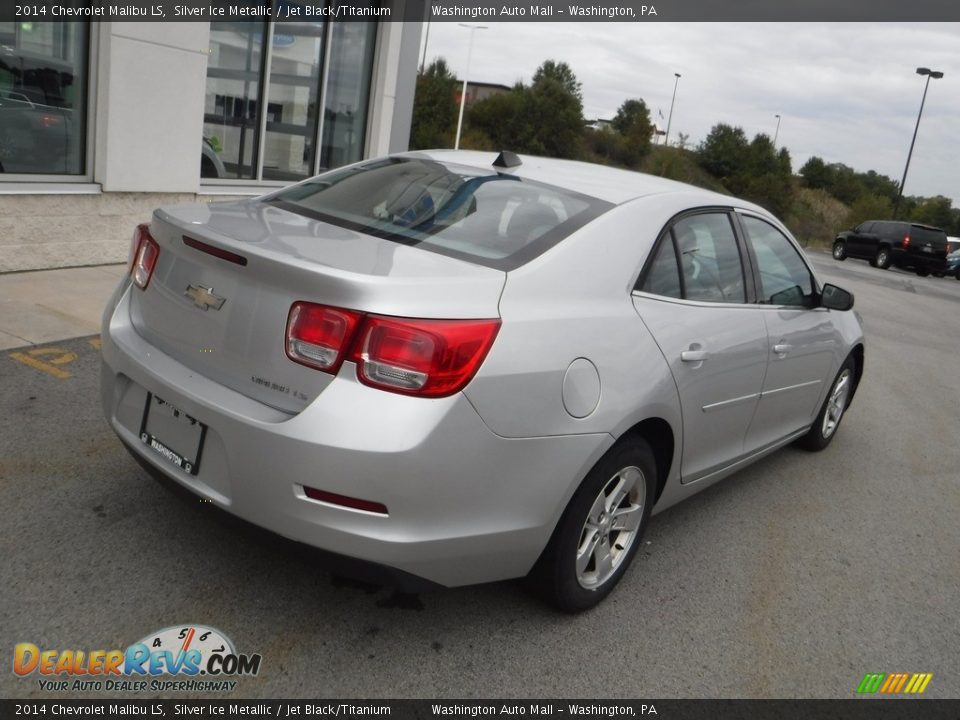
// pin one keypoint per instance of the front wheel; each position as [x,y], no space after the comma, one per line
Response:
[839,250]
[600,531]
[923,273]
[828,419]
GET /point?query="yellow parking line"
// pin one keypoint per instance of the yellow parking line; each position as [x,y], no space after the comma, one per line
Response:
[95,342]
[31,358]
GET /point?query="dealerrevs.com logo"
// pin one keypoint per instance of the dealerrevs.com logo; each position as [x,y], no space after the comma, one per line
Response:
[196,657]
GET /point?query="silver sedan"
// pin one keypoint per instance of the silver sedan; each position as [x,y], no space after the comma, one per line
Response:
[459,367]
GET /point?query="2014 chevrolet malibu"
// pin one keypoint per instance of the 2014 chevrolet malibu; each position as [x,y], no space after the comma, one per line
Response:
[461,367]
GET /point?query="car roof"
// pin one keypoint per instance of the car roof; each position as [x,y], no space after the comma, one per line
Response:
[600,181]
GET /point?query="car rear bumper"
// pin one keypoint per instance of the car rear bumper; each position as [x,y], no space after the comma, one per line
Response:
[919,261]
[464,505]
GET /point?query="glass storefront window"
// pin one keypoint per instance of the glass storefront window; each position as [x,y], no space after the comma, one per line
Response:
[348,89]
[295,64]
[230,113]
[43,97]
[243,141]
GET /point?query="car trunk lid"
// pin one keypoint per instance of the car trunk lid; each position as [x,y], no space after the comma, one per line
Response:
[228,273]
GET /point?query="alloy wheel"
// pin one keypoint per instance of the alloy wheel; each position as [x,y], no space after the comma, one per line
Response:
[836,404]
[611,527]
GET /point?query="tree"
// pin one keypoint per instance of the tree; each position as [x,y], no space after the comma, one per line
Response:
[724,151]
[815,173]
[633,123]
[561,73]
[498,117]
[878,184]
[434,109]
[869,206]
[545,118]
[936,211]
[767,177]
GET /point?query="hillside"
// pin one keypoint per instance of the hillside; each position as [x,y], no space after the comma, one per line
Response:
[814,216]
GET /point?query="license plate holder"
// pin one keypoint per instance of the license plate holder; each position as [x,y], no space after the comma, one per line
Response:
[172,434]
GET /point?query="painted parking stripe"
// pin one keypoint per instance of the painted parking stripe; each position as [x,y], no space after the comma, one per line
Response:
[49,365]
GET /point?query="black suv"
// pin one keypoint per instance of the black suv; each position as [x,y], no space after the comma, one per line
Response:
[890,242]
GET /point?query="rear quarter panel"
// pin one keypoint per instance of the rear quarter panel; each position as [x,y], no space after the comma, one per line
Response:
[574,302]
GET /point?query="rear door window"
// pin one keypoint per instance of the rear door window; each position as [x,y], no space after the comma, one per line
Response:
[709,258]
[697,258]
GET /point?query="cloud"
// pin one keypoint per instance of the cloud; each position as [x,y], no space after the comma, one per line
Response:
[847,92]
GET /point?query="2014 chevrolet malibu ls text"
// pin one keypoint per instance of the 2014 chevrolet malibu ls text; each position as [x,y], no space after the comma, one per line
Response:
[461,367]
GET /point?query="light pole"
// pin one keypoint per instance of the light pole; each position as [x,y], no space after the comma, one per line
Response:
[776,133]
[936,75]
[426,41]
[666,141]
[463,92]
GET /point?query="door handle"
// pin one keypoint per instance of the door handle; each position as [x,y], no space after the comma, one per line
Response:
[782,348]
[694,355]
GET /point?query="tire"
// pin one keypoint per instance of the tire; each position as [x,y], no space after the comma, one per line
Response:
[834,407]
[923,273]
[588,554]
[839,250]
[882,259]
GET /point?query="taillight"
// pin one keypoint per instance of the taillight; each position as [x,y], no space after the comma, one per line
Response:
[906,241]
[145,254]
[319,336]
[429,358]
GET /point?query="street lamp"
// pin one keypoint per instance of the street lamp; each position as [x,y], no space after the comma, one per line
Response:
[776,133]
[936,75]
[666,141]
[423,61]
[463,93]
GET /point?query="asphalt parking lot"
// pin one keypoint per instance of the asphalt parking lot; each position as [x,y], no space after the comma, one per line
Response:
[793,578]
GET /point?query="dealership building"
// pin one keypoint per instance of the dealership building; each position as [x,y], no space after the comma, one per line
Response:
[101,122]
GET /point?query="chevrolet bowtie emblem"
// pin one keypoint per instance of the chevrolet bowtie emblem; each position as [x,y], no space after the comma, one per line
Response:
[203,297]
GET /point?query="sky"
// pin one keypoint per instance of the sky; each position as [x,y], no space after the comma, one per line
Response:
[846,92]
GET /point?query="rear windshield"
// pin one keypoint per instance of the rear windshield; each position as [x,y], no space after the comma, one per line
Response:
[492,219]
[918,233]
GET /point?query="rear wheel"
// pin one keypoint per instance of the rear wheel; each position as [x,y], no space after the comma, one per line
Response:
[923,273]
[839,250]
[600,531]
[882,259]
[828,419]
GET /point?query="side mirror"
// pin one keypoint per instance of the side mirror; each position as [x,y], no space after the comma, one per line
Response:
[835,298]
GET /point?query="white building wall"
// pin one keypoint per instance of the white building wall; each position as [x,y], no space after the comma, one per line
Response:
[149,106]
[147,100]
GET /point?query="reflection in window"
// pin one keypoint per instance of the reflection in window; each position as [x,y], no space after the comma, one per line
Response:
[345,114]
[43,97]
[230,113]
[663,277]
[784,277]
[291,76]
[297,52]
[709,258]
